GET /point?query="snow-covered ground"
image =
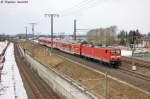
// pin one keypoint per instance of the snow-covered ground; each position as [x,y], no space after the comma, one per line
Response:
[11,86]
[126,53]
[2,46]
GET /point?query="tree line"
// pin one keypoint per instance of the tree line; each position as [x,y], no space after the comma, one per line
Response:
[109,36]
[102,36]
[130,38]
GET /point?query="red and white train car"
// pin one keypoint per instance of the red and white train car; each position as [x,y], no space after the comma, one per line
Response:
[44,41]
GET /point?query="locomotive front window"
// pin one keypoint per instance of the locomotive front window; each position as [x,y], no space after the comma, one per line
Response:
[115,52]
[118,52]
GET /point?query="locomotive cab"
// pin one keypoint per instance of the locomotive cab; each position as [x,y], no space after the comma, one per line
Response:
[115,57]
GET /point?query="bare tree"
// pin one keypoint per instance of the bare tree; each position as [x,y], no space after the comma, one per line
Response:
[102,36]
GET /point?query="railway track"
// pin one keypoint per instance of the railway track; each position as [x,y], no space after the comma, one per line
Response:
[37,88]
[91,63]
[117,77]
[123,70]
[142,71]
[119,73]
[137,75]
[138,62]
[133,79]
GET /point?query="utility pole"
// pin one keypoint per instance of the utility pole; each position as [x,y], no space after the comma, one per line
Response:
[106,85]
[33,24]
[26,32]
[133,50]
[75,21]
[126,38]
[52,17]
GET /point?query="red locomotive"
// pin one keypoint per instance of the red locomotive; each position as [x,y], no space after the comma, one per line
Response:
[108,55]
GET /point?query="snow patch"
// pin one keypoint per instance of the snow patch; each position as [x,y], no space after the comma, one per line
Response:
[126,53]
[11,86]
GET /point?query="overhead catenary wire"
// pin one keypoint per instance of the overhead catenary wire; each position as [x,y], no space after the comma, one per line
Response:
[76,5]
[85,4]
[77,8]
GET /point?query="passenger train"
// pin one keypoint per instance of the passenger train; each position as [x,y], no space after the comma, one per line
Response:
[109,55]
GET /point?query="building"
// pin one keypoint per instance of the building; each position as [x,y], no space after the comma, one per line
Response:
[146,41]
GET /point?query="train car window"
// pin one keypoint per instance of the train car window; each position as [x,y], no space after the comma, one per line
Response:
[118,52]
[115,52]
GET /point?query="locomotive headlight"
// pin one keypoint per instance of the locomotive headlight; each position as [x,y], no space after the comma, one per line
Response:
[118,56]
[113,56]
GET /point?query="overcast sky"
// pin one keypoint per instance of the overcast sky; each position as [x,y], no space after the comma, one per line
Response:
[125,14]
